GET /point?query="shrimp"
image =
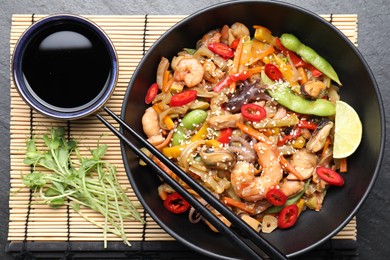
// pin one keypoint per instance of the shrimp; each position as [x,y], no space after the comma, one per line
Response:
[239,30]
[291,188]
[210,37]
[151,126]
[189,70]
[252,188]
[304,162]
[212,73]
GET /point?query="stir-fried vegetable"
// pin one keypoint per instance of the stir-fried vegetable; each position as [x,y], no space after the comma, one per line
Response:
[253,122]
[83,182]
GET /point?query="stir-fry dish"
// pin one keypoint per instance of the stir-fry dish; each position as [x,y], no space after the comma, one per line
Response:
[251,118]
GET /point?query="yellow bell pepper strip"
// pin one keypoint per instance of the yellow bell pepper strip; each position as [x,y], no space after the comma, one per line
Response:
[264,34]
[301,205]
[284,96]
[255,50]
[167,120]
[299,143]
[173,151]
[201,133]
[213,143]
[309,55]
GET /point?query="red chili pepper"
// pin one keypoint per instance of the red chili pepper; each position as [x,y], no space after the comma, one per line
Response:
[230,79]
[225,135]
[221,49]
[175,203]
[307,124]
[288,216]
[330,176]
[273,72]
[276,197]
[294,135]
[151,93]
[183,98]
[253,112]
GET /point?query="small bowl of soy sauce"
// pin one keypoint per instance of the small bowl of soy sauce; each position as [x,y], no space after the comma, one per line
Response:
[65,66]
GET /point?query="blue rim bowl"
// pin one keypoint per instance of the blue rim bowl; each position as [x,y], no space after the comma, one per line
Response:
[37,103]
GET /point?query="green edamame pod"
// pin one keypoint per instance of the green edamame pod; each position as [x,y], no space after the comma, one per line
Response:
[284,96]
[309,55]
[189,122]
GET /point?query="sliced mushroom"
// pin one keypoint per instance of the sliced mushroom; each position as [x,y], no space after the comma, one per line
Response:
[318,138]
[218,158]
[313,89]
[249,92]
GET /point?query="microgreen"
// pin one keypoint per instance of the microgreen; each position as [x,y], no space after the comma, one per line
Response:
[78,181]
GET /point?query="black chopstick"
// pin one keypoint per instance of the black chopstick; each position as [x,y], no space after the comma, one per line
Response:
[243,227]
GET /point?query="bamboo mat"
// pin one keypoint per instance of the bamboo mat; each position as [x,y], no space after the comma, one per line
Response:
[32,222]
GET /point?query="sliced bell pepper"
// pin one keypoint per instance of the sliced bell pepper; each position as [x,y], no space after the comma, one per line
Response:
[294,135]
[307,124]
[183,98]
[225,135]
[221,49]
[231,79]
[264,34]
[151,93]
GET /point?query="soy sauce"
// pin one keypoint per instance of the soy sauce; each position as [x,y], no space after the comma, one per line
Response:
[66,66]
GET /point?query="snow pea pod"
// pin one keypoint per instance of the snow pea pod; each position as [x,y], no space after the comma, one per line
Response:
[284,96]
[309,55]
[189,122]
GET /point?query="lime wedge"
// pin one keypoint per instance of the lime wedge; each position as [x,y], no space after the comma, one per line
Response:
[348,131]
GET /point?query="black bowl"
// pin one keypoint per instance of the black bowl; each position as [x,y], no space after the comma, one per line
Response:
[359,90]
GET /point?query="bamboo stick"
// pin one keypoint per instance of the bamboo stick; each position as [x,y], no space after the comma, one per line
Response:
[131,41]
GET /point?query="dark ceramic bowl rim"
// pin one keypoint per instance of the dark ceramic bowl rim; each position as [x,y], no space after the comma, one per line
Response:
[188,19]
[35,102]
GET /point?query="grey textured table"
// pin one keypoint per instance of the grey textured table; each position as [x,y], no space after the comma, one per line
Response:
[374,43]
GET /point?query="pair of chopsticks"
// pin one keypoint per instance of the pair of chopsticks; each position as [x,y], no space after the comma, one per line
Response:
[261,245]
